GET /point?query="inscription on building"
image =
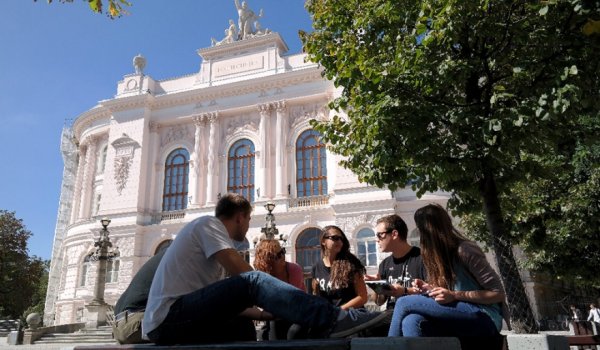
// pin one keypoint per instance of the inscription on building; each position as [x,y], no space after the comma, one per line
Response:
[237,66]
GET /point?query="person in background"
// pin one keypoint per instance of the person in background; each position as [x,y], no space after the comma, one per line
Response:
[190,300]
[575,313]
[463,295]
[269,257]
[339,275]
[594,315]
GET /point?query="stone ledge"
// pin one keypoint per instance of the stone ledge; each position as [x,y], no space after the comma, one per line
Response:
[537,342]
[309,344]
[405,343]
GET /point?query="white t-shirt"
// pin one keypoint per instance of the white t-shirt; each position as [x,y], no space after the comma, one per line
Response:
[594,315]
[188,265]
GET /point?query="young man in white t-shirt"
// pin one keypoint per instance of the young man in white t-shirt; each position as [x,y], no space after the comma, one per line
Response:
[191,301]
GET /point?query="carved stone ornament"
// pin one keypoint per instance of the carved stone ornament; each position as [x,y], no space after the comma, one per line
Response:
[175,133]
[239,124]
[124,152]
[301,114]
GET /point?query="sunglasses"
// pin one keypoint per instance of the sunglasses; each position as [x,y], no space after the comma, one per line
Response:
[334,238]
[381,235]
[281,253]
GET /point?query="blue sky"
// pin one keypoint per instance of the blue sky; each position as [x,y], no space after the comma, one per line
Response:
[58,60]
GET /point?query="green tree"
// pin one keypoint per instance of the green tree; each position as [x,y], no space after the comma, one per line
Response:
[460,95]
[20,274]
[115,7]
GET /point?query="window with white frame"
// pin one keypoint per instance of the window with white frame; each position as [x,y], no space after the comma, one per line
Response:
[112,270]
[366,247]
[83,273]
[413,238]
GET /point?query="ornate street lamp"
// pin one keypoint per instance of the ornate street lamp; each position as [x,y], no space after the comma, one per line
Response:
[102,253]
[270,230]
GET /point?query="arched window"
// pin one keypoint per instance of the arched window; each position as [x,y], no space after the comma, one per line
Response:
[311,165]
[112,270]
[83,275]
[308,252]
[163,245]
[308,248]
[367,247]
[240,174]
[175,191]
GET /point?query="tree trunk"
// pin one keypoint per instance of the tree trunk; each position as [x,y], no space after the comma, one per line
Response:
[521,315]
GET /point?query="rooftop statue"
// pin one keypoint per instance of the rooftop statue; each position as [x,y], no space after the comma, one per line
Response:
[139,62]
[247,20]
[231,35]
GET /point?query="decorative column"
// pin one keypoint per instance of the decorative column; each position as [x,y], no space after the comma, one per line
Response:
[211,177]
[280,142]
[265,111]
[88,178]
[197,163]
[154,149]
[78,182]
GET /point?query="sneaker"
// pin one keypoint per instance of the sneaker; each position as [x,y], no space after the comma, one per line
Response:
[357,320]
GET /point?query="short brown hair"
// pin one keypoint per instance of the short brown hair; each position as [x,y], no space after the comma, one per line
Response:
[231,204]
[395,222]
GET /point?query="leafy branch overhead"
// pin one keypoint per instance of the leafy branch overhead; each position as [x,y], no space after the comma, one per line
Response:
[116,8]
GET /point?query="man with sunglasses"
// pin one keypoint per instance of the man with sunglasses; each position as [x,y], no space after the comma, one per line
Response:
[191,302]
[402,266]
[399,269]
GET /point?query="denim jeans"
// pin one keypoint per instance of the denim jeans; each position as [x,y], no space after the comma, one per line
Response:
[420,316]
[206,315]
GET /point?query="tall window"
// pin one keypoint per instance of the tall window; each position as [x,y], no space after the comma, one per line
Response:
[85,266]
[112,270]
[367,247]
[241,169]
[177,168]
[311,165]
[101,161]
[414,238]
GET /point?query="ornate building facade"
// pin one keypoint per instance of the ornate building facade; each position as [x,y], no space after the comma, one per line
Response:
[160,153]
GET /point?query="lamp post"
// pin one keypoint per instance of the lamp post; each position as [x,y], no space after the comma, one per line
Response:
[102,253]
[270,230]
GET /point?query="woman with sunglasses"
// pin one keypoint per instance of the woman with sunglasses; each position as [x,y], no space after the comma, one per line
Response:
[269,257]
[463,295]
[339,275]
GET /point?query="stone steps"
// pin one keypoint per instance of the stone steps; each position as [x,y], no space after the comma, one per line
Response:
[102,335]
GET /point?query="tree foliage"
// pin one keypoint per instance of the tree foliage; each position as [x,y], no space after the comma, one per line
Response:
[20,274]
[474,97]
[116,8]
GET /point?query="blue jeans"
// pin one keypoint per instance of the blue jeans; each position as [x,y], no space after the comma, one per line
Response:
[206,315]
[420,316]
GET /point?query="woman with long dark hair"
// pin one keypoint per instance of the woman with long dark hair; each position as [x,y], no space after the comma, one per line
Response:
[339,275]
[463,295]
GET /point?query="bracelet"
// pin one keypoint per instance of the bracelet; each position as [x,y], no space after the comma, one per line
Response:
[405,290]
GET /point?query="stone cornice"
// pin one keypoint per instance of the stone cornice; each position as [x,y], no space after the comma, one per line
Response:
[251,43]
[106,108]
[255,85]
